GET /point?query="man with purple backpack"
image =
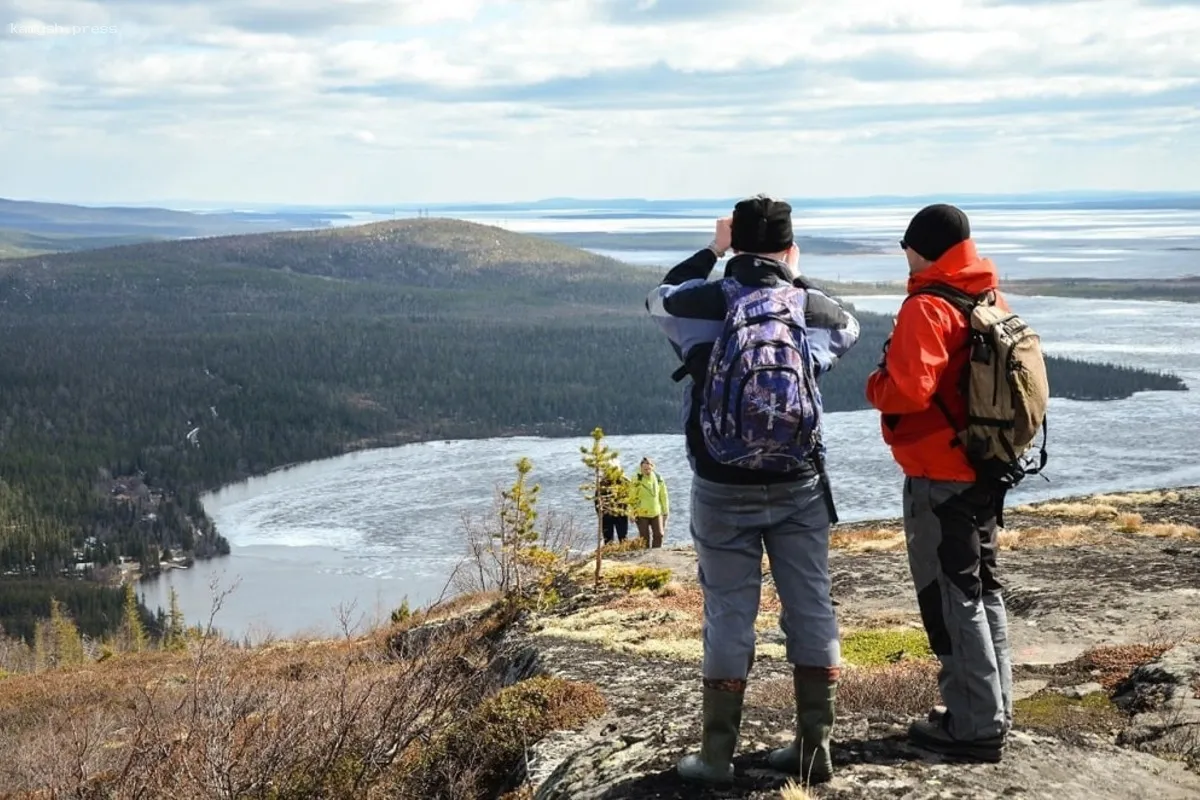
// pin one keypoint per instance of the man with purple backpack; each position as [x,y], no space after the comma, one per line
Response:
[754,345]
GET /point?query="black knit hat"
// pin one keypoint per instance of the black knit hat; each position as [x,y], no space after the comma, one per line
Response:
[935,229]
[762,225]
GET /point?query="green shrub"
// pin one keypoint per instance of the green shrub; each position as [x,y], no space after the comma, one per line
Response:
[652,578]
[402,613]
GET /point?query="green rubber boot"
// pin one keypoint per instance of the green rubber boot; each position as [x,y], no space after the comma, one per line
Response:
[722,720]
[808,756]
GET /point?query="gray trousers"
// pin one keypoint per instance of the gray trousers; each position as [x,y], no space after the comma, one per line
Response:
[730,526]
[950,529]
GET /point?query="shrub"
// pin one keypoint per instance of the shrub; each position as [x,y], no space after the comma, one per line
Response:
[291,720]
[477,754]
[637,578]
[402,613]
[906,688]
[631,545]
[1116,662]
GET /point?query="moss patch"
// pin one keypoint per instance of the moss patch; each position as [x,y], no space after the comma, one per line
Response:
[877,646]
[1055,713]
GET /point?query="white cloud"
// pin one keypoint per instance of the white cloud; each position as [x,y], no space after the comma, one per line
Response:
[460,99]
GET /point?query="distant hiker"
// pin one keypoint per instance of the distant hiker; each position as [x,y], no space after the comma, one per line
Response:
[753,345]
[651,506]
[942,351]
[612,505]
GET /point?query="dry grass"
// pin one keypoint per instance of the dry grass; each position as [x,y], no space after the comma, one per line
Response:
[1137,498]
[882,540]
[455,607]
[793,791]
[335,719]
[1166,530]
[1095,510]
[1061,536]
[661,632]
[1129,523]
[672,589]
[665,623]
[868,541]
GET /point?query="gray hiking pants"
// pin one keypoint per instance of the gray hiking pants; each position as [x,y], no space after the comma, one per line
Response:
[730,525]
[950,529]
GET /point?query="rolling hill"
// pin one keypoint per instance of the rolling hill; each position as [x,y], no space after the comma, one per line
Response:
[32,228]
[136,377]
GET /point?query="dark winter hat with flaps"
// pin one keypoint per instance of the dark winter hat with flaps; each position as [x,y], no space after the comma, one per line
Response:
[762,225]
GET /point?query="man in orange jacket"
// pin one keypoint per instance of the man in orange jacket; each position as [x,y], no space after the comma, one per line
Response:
[949,515]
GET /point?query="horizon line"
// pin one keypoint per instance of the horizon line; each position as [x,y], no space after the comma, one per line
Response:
[174,204]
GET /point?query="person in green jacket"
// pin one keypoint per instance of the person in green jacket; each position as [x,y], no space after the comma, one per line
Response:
[651,506]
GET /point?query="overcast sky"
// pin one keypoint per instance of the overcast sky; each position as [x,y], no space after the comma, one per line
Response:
[313,101]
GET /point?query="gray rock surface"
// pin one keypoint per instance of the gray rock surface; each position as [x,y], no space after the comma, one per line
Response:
[1065,600]
[1062,601]
[631,764]
[1164,697]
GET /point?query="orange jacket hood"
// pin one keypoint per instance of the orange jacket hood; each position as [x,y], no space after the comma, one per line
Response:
[960,267]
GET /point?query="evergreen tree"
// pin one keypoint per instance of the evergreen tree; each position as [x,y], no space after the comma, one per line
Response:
[175,637]
[67,645]
[132,629]
[41,648]
[518,513]
[606,489]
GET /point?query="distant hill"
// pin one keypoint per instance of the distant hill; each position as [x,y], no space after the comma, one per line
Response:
[136,377]
[17,244]
[28,227]
[430,253]
[676,240]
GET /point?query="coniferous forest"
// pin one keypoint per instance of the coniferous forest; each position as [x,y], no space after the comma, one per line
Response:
[134,378]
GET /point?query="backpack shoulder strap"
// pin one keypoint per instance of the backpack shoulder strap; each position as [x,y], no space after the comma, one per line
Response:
[963,301]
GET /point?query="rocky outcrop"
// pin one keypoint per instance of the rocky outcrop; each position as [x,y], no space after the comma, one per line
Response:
[654,720]
[629,765]
[1164,699]
[1085,602]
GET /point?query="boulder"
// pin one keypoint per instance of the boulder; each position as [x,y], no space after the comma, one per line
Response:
[1163,698]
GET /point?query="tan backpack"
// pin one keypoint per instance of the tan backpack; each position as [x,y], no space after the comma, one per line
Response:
[1005,385]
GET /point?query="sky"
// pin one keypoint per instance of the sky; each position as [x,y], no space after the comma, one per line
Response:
[402,101]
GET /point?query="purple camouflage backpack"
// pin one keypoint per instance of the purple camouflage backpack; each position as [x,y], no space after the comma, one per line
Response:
[760,406]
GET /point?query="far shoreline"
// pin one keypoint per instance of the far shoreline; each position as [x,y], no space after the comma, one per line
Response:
[1172,290]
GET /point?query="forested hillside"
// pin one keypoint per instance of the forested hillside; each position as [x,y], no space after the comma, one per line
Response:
[135,377]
